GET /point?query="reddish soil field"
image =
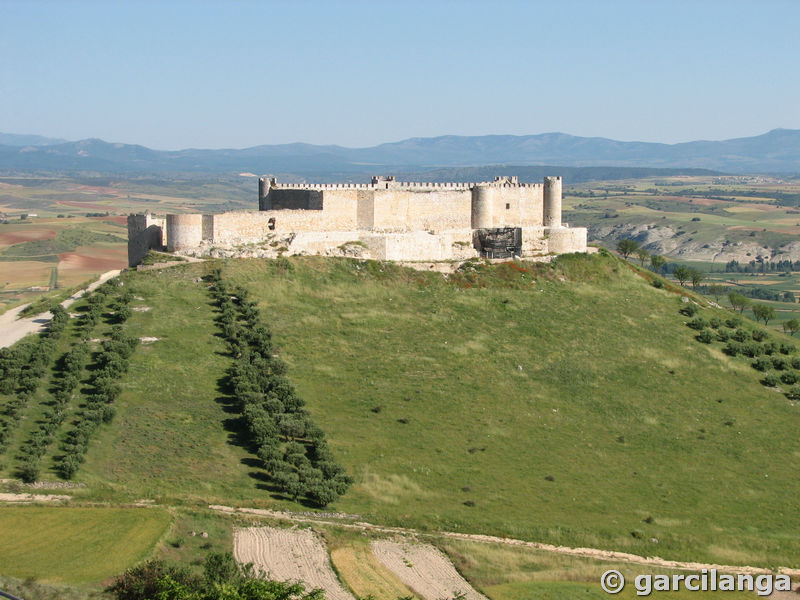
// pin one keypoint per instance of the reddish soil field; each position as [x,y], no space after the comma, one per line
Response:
[122,220]
[93,259]
[83,205]
[17,237]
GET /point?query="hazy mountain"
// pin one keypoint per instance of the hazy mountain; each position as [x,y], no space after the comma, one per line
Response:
[16,139]
[775,151]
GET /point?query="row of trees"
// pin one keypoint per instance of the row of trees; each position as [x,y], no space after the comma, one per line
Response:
[109,366]
[293,449]
[22,370]
[762,266]
[756,344]
[66,380]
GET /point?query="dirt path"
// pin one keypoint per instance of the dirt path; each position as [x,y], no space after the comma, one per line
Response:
[289,555]
[424,569]
[595,553]
[13,329]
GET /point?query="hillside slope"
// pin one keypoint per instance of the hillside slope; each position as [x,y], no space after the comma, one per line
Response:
[567,404]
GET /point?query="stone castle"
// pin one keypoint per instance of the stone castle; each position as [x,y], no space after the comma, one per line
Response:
[385,220]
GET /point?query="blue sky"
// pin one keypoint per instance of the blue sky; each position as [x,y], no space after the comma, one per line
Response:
[210,74]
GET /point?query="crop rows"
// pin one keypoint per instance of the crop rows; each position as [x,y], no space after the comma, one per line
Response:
[104,388]
[22,369]
[293,449]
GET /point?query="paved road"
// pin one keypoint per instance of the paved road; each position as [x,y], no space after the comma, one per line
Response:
[13,329]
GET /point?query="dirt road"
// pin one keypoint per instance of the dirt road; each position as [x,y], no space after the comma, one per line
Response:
[13,329]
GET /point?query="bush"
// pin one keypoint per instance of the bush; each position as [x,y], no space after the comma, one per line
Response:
[770,348]
[788,348]
[733,322]
[795,362]
[698,323]
[770,380]
[779,363]
[759,335]
[789,377]
[752,349]
[793,393]
[689,309]
[715,322]
[740,335]
[762,364]
[657,283]
[723,335]
[705,336]
[733,348]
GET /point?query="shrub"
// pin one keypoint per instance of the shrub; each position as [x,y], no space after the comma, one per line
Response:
[740,335]
[793,393]
[733,348]
[789,377]
[770,348]
[723,335]
[698,323]
[705,336]
[779,363]
[770,380]
[788,348]
[733,322]
[762,364]
[759,335]
[752,349]
[657,283]
[715,322]
[795,362]
[689,309]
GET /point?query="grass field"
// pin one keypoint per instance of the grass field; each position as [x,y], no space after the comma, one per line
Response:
[76,545]
[579,412]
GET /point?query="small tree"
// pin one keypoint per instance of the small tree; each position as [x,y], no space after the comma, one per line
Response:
[626,247]
[763,312]
[642,254]
[682,274]
[716,290]
[738,302]
[657,262]
[791,326]
[696,277]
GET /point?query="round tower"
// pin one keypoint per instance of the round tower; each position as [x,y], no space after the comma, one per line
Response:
[263,190]
[483,207]
[184,231]
[552,201]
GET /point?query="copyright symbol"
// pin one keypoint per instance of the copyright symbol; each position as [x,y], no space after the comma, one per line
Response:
[612,582]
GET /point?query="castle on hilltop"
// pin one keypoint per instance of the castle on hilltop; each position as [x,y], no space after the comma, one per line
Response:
[384,219]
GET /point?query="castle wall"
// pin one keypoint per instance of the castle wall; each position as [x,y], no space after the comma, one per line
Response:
[144,232]
[421,211]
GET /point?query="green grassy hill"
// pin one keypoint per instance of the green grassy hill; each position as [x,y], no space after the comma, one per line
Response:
[566,403]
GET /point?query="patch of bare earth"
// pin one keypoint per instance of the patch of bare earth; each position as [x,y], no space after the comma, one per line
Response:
[289,555]
[33,498]
[424,569]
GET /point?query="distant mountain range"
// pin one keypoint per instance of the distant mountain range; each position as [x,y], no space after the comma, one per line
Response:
[777,151]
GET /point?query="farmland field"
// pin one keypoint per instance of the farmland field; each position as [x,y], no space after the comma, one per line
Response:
[76,545]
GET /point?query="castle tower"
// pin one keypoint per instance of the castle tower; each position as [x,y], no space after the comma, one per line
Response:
[552,201]
[184,231]
[263,192]
[483,207]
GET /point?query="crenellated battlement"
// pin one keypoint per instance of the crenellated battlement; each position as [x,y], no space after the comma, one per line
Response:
[389,183]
